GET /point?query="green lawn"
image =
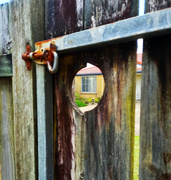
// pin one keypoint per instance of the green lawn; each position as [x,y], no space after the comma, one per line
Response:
[136,158]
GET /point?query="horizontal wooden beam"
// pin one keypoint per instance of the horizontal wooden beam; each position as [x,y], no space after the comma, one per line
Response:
[148,25]
[6,65]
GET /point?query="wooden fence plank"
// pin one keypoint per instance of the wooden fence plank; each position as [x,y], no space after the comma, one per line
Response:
[151,5]
[155,148]
[6,130]
[5,35]
[63,17]
[99,12]
[110,127]
[27,27]
[103,140]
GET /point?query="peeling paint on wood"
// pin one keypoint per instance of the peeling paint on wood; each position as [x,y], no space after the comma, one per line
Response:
[65,17]
[155,125]
[103,12]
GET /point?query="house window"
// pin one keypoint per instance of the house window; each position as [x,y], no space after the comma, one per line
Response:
[88,84]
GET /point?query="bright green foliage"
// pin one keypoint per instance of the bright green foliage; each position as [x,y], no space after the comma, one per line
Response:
[97,100]
[80,103]
[136,158]
[77,96]
[89,101]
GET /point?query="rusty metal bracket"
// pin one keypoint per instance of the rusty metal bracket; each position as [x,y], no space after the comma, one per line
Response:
[47,56]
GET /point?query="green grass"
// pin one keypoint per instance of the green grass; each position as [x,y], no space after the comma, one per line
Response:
[80,103]
[136,158]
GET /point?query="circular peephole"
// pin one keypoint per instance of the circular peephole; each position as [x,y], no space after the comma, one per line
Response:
[88,85]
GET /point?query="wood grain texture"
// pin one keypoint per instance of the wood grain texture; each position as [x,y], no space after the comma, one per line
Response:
[28,27]
[99,12]
[155,148]
[110,127]
[5,35]
[6,130]
[65,146]
[99,145]
[64,17]
[155,5]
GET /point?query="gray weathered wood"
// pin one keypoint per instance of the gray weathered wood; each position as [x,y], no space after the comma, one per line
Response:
[27,27]
[155,133]
[5,35]
[5,65]
[6,130]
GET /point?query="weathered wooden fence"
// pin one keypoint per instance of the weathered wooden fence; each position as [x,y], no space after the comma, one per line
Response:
[43,134]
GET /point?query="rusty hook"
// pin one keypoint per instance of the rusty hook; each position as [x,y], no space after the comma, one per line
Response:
[47,57]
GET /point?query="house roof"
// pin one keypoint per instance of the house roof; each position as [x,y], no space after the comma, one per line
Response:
[139,58]
[89,71]
[96,71]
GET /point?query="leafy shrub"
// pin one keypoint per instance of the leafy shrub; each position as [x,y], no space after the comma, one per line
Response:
[80,103]
[97,100]
[77,96]
[89,101]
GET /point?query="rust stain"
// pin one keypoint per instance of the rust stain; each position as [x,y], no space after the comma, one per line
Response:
[46,41]
[159,175]
[64,153]
[166,157]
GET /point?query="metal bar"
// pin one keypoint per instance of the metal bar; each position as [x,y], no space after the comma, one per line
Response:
[45,122]
[6,65]
[148,25]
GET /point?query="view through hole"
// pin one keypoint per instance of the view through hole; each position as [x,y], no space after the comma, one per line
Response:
[88,86]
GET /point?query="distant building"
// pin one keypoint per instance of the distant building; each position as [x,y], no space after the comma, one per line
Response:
[89,81]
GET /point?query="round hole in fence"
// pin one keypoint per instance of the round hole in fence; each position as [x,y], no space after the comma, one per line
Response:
[88,86]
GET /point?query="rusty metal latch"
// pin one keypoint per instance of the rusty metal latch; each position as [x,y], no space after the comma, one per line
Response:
[47,56]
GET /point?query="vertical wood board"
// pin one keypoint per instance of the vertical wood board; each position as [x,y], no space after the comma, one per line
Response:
[6,130]
[5,35]
[63,17]
[100,12]
[101,144]
[155,136]
[28,27]
[156,5]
